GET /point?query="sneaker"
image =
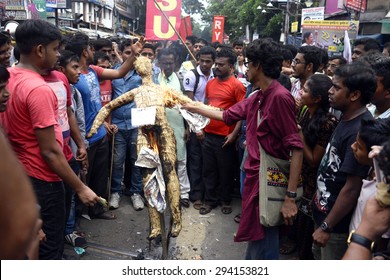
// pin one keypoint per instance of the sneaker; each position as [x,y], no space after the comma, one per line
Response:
[114,200]
[76,240]
[137,201]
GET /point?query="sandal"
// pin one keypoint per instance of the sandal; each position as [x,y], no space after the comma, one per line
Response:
[205,209]
[237,218]
[198,204]
[287,247]
[226,209]
[105,216]
[185,202]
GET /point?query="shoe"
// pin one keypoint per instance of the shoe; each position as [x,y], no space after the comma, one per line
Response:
[185,202]
[114,200]
[76,240]
[137,201]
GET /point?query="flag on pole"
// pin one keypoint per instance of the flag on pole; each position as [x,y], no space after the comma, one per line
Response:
[218,29]
[347,47]
[185,27]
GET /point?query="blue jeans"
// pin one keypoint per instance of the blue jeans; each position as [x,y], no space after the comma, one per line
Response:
[70,200]
[51,198]
[126,139]
[264,249]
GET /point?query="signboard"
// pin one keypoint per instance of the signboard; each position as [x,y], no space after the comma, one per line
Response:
[357,5]
[329,34]
[316,13]
[294,27]
[157,26]
[37,9]
[14,5]
[15,15]
[218,29]
[60,4]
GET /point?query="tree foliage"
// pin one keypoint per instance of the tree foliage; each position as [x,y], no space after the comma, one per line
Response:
[193,7]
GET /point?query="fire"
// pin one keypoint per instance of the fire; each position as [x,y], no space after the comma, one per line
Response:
[153,142]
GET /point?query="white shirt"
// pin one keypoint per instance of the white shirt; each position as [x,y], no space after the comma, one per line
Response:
[189,83]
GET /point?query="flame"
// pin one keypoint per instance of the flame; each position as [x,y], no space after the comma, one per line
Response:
[153,142]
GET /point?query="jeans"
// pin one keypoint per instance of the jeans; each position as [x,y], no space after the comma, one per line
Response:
[264,249]
[70,195]
[126,139]
[51,198]
[334,249]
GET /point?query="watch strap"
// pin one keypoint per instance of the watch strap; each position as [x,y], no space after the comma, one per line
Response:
[361,240]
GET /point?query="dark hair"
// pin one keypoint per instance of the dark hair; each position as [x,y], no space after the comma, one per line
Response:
[78,43]
[340,58]
[358,76]
[179,51]
[238,43]
[312,55]
[149,46]
[205,51]
[100,43]
[319,86]
[374,132]
[4,74]
[166,52]
[292,49]
[384,159]
[100,55]
[17,53]
[33,32]
[192,39]
[124,44]
[287,54]
[369,44]
[5,38]
[387,46]
[203,41]
[305,36]
[285,81]
[382,69]
[66,57]
[267,53]
[324,57]
[229,54]
[371,57]
[216,45]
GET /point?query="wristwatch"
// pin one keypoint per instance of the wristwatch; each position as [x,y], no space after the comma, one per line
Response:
[324,227]
[291,194]
[361,240]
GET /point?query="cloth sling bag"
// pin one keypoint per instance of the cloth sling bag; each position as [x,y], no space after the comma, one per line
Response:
[273,183]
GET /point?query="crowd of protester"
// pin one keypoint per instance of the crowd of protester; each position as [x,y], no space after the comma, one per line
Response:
[322,113]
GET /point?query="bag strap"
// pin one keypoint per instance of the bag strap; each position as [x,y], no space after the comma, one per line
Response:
[197,77]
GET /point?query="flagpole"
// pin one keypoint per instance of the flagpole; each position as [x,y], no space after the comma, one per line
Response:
[174,29]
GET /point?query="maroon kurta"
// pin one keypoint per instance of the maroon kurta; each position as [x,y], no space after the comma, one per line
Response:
[277,133]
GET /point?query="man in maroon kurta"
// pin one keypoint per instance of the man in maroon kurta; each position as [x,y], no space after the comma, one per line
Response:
[278,135]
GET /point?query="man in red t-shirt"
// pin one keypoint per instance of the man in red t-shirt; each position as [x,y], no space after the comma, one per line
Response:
[218,146]
[32,126]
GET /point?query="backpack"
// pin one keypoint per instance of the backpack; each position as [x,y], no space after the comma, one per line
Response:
[195,71]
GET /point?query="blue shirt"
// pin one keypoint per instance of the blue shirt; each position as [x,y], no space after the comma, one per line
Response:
[88,86]
[122,115]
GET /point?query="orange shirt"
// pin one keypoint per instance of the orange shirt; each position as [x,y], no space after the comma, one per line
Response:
[223,94]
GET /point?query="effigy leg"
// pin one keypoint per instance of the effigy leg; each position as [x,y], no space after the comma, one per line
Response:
[167,147]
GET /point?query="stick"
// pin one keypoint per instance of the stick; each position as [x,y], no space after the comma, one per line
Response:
[174,29]
[111,167]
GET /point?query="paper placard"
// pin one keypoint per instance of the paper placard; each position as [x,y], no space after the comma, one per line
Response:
[143,116]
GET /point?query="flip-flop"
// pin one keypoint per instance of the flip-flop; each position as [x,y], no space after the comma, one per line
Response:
[185,202]
[205,209]
[287,247]
[226,209]
[198,204]
[237,218]
[105,216]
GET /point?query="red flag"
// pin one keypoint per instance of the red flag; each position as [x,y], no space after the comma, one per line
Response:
[157,26]
[218,26]
[185,27]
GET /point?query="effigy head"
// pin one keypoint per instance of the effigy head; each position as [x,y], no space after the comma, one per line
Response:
[143,66]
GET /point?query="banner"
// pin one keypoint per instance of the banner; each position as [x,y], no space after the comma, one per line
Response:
[185,27]
[330,34]
[157,26]
[218,29]
[357,5]
[316,13]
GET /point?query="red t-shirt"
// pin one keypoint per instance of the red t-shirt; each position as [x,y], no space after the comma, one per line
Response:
[223,94]
[60,85]
[32,105]
[105,91]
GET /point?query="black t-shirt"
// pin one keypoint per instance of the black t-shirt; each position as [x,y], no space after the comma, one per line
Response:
[337,163]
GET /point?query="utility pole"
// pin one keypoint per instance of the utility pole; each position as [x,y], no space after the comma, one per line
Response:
[286,21]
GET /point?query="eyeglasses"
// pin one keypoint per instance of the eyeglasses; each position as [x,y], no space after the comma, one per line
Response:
[246,63]
[296,62]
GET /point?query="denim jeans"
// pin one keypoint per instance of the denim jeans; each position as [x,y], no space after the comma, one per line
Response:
[126,139]
[51,198]
[70,195]
[264,249]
